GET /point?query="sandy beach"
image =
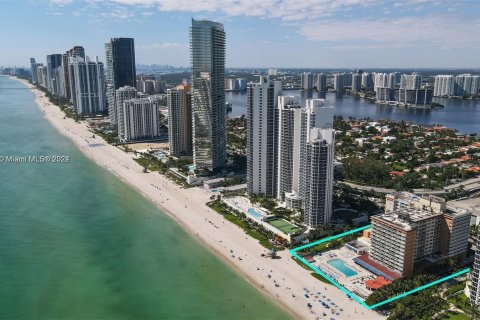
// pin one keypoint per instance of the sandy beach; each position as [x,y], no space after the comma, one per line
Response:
[187,207]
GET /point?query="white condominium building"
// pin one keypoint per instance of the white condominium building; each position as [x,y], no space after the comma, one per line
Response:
[367,80]
[338,82]
[356,82]
[262,102]
[289,134]
[322,82]
[444,85]
[383,80]
[141,119]
[307,81]
[460,86]
[466,85]
[41,74]
[316,114]
[87,84]
[121,95]
[411,81]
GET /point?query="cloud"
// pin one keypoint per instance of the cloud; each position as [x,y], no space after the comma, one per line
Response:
[55,13]
[341,23]
[116,12]
[286,10]
[445,31]
[60,2]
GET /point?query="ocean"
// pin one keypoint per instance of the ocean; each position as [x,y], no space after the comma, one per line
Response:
[78,243]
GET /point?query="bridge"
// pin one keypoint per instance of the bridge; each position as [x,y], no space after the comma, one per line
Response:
[12,90]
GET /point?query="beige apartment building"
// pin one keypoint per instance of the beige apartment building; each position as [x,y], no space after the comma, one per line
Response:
[415,228]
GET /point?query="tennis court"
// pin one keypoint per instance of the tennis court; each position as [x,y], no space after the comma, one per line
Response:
[285,226]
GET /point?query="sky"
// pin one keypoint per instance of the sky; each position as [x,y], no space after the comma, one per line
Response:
[260,33]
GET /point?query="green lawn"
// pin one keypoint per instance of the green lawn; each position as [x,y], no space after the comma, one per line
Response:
[262,239]
[455,316]
[460,301]
[398,167]
[284,226]
[455,288]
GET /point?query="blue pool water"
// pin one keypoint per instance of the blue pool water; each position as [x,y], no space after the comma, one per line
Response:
[254,213]
[340,265]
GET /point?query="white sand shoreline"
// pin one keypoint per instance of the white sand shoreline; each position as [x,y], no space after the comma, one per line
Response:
[220,236]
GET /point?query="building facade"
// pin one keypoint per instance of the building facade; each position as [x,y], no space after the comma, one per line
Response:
[367,80]
[322,82]
[121,95]
[180,121]
[384,94]
[42,75]
[384,80]
[466,85]
[87,85]
[262,102]
[444,86]
[288,146]
[316,114]
[121,72]
[463,85]
[356,82]
[58,85]
[140,119]
[76,51]
[339,82]
[415,228]
[319,152]
[53,61]
[472,289]
[414,96]
[33,70]
[207,49]
[411,81]
[307,81]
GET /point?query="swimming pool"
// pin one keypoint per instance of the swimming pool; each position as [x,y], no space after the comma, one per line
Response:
[254,213]
[340,265]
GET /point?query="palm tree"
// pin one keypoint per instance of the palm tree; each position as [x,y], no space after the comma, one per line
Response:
[472,311]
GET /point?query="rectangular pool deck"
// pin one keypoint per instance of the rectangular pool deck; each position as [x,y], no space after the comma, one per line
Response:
[331,277]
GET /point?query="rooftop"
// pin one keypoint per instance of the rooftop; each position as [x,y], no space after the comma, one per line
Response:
[406,218]
[377,283]
[380,269]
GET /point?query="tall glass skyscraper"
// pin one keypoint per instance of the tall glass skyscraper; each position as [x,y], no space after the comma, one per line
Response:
[33,67]
[207,50]
[53,61]
[120,62]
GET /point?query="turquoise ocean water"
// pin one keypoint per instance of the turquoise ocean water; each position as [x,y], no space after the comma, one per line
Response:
[77,243]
